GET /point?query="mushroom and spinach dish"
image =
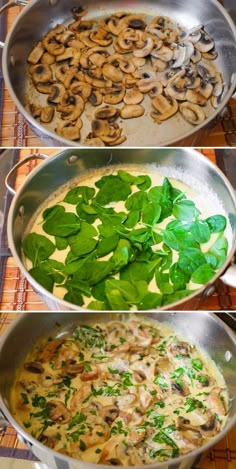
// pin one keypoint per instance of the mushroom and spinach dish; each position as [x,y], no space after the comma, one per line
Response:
[124,65]
[120,393]
[118,240]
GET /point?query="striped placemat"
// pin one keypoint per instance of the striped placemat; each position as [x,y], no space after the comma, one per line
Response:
[222,455]
[18,295]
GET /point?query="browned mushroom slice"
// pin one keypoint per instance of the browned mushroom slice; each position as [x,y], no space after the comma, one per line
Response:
[52,45]
[47,114]
[138,61]
[192,113]
[58,412]
[34,367]
[79,11]
[131,110]
[110,140]
[112,73]
[196,56]
[118,141]
[66,36]
[48,58]
[216,402]
[109,413]
[146,85]
[56,93]
[34,110]
[44,88]
[49,441]
[177,89]
[158,64]
[71,106]
[181,389]
[76,44]
[94,142]
[71,368]
[67,54]
[195,97]
[95,98]
[82,88]
[146,50]
[101,37]
[205,43]
[179,348]
[118,60]
[206,89]
[164,53]
[115,24]
[100,127]
[119,49]
[129,81]
[114,95]
[211,55]
[78,26]
[133,97]
[166,107]
[41,73]
[36,54]
[107,112]
[211,427]
[84,36]
[69,130]
[98,57]
[126,39]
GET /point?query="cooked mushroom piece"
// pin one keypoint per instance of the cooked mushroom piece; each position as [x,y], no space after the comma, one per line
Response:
[107,112]
[34,110]
[56,93]
[58,411]
[71,106]
[216,402]
[95,98]
[131,110]
[36,53]
[181,389]
[166,107]
[114,95]
[133,97]
[109,413]
[67,54]
[47,114]
[100,127]
[47,59]
[81,88]
[79,11]
[195,97]
[34,367]
[94,141]
[112,73]
[71,368]
[192,113]
[146,50]
[101,37]
[118,141]
[51,44]
[49,441]
[70,130]
[41,73]
[205,43]
[180,348]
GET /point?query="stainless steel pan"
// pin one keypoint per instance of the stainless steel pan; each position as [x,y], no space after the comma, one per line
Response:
[41,15]
[202,329]
[69,164]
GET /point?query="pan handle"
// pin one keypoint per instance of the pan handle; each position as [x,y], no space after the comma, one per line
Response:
[36,156]
[229,277]
[13,4]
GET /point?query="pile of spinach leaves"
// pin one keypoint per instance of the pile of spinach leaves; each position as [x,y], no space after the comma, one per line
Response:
[139,249]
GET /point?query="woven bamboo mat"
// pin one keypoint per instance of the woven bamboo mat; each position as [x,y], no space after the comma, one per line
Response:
[14,130]
[17,294]
[222,455]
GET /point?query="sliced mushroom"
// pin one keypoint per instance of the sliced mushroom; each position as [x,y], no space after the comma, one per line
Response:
[138,61]
[29,386]
[67,54]
[58,411]
[34,367]
[180,348]
[130,111]
[107,112]
[81,88]
[70,130]
[57,91]
[101,37]
[90,375]
[100,127]
[181,389]
[47,114]
[164,53]
[95,98]
[206,89]
[147,85]
[66,36]
[35,110]
[72,368]
[166,107]
[117,141]
[192,113]
[146,50]
[133,97]
[126,400]
[84,36]
[78,26]
[51,44]
[205,43]
[215,401]
[211,427]
[195,97]
[158,64]
[36,53]
[71,106]
[114,95]
[112,73]
[196,56]
[79,11]
[109,413]
[48,59]
[94,142]
[41,73]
